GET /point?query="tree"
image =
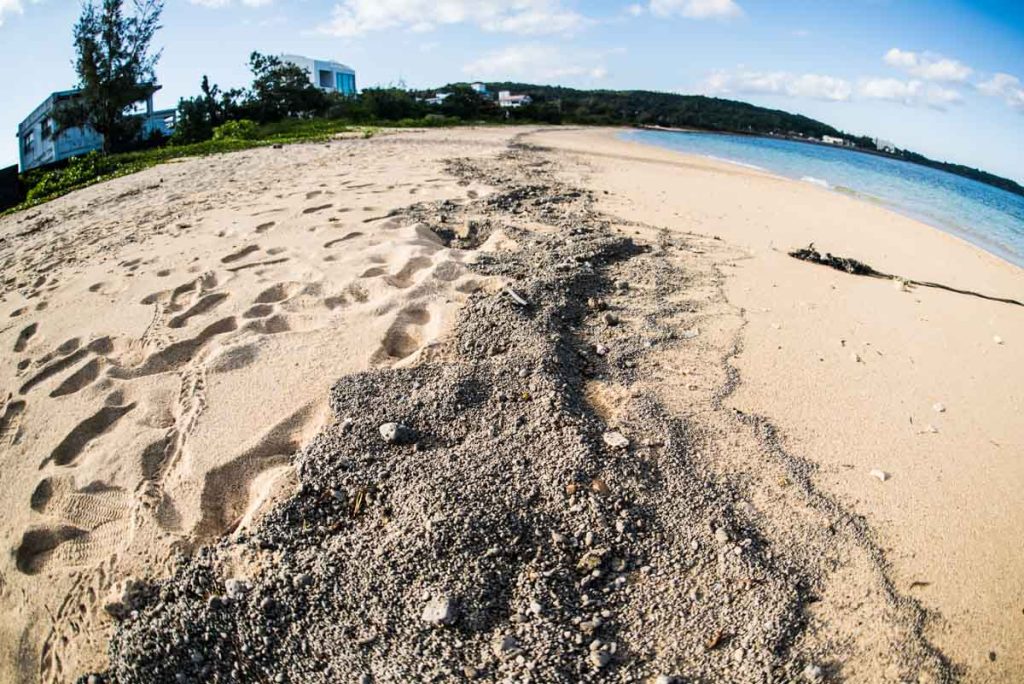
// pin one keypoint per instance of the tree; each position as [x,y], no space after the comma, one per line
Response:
[280,89]
[465,103]
[198,116]
[115,69]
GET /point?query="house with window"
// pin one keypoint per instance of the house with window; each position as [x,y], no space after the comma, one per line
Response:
[333,77]
[507,99]
[39,144]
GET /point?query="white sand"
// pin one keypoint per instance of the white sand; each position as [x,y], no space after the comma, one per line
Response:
[189,320]
[950,516]
[187,324]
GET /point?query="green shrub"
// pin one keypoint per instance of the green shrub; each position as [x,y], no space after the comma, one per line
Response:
[78,172]
[242,129]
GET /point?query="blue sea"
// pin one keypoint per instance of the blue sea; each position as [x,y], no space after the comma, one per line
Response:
[991,218]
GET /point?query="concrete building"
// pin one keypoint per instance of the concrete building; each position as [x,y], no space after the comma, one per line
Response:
[507,99]
[884,146]
[330,76]
[39,145]
[480,89]
[437,99]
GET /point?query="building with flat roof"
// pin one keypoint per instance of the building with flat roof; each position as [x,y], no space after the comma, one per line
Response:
[327,75]
[507,99]
[39,143]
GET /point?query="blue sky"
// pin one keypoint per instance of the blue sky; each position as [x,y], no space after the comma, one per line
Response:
[943,77]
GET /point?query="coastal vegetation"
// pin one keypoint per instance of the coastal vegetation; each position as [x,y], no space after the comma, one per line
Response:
[115,70]
[282,106]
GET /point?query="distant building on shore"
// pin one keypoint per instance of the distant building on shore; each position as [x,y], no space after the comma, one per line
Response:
[839,142]
[480,89]
[326,75]
[437,99]
[39,143]
[507,99]
[884,146]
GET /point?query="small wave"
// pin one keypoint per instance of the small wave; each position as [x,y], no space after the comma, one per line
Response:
[737,163]
[816,181]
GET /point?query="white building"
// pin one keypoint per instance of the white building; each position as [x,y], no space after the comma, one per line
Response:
[832,140]
[480,89]
[507,99]
[437,99]
[40,144]
[884,145]
[326,75]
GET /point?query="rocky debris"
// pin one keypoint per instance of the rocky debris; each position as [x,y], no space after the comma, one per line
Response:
[396,433]
[615,439]
[880,475]
[124,598]
[813,673]
[439,610]
[504,502]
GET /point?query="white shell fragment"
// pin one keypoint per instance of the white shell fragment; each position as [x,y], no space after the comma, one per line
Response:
[997,339]
[939,407]
[616,440]
[691,333]
[880,474]
[516,297]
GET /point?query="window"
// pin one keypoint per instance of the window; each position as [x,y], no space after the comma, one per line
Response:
[28,142]
[46,129]
[346,83]
[326,79]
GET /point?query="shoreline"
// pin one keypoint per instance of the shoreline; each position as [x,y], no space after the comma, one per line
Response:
[976,239]
[673,438]
[832,359]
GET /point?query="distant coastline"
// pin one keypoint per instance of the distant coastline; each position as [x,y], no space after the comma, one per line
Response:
[1007,184]
[961,206]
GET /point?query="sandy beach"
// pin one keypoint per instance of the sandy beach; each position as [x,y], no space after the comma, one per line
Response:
[502,404]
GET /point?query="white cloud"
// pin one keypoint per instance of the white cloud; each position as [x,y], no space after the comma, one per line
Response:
[912,93]
[10,7]
[814,86]
[928,66]
[635,10]
[536,62]
[696,9]
[356,17]
[1007,87]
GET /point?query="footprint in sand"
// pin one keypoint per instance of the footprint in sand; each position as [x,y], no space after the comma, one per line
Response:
[258,311]
[404,336]
[233,492]
[83,525]
[278,292]
[81,378]
[404,278]
[83,434]
[345,238]
[74,354]
[205,304]
[264,227]
[10,422]
[177,355]
[320,207]
[240,254]
[24,336]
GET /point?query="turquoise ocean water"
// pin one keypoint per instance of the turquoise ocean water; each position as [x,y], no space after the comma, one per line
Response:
[991,218]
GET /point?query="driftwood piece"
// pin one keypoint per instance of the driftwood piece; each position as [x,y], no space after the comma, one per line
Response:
[854,267]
